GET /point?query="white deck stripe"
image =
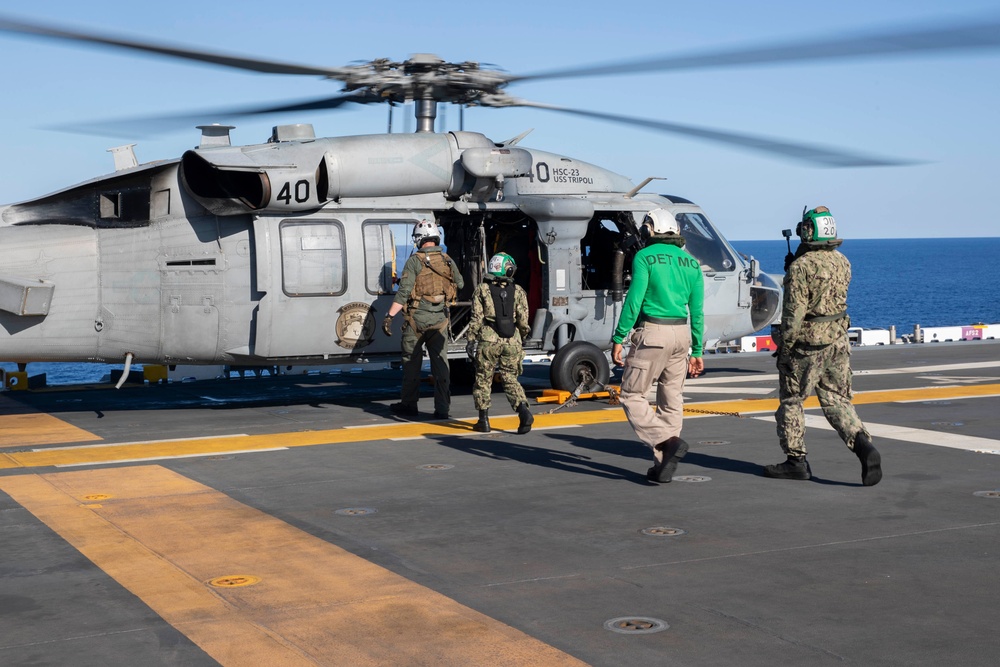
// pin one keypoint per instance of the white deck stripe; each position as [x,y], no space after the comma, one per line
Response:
[688,389]
[173,456]
[968,443]
[906,370]
[141,442]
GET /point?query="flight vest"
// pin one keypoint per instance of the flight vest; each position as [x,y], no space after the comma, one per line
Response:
[436,285]
[503,308]
[433,290]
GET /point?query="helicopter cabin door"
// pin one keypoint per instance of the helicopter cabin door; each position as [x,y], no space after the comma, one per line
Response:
[326,281]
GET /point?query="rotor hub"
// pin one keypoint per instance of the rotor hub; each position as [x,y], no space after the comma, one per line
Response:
[425,76]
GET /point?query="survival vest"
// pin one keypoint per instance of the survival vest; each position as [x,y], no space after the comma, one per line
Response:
[503,308]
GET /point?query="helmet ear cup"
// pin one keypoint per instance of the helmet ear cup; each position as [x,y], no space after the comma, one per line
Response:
[805,230]
[646,229]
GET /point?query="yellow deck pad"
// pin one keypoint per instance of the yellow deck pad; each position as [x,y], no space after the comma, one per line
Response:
[21,427]
[164,537]
[139,451]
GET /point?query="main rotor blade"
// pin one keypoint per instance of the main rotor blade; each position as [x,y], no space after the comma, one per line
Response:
[238,62]
[811,154]
[152,125]
[980,35]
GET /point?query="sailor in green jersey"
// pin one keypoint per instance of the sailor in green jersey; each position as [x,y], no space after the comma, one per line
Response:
[667,291]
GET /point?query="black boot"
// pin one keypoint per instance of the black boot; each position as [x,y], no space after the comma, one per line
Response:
[871,462]
[483,425]
[527,419]
[673,450]
[404,410]
[793,468]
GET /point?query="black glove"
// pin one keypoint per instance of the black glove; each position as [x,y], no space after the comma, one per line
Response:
[471,348]
[784,362]
[387,325]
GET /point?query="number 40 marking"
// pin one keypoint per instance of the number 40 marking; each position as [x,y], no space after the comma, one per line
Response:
[301,192]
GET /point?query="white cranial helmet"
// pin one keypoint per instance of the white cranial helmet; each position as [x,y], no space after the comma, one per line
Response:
[425,230]
[661,221]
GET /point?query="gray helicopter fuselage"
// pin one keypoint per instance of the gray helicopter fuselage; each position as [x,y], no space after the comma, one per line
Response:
[286,252]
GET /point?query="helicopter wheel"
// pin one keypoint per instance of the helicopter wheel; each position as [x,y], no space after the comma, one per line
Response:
[579,362]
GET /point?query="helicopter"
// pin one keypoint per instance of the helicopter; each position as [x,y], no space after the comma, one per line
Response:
[285,252]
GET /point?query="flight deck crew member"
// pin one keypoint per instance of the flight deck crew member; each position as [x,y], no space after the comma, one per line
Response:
[813,350]
[667,289]
[499,324]
[429,283]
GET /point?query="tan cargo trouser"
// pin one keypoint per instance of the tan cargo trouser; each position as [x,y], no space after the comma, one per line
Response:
[659,353]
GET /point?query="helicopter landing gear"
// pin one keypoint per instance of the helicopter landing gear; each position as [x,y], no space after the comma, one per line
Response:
[579,362]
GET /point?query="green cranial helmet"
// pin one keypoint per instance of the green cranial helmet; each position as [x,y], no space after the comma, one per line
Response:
[817,226]
[502,265]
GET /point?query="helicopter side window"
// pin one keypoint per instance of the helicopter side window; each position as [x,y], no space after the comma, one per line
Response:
[380,258]
[702,241]
[313,261]
[597,250]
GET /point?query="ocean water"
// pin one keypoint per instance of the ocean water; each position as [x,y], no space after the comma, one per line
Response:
[901,282]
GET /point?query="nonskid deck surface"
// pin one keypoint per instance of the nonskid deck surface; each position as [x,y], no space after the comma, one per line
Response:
[296,521]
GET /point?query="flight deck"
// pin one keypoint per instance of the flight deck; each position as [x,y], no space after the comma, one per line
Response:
[295,520]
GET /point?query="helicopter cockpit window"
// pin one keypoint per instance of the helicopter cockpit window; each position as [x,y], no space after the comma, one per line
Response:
[312,258]
[702,241]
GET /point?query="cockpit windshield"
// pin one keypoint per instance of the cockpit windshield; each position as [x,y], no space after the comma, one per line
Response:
[702,241]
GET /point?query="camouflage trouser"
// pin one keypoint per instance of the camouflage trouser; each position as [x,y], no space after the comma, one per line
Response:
[508,354]
[827,370]
[413,359]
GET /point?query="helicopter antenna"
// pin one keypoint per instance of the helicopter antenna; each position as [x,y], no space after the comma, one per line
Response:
[517,139]
[649,179]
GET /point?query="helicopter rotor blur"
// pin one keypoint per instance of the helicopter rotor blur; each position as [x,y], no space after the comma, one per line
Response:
[427,80]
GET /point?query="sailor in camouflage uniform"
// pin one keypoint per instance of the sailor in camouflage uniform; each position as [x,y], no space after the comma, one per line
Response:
[499,324]
[428,285]
[813,352]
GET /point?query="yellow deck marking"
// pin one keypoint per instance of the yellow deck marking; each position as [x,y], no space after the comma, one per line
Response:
[112,453]
[22,427]
[315,604]
[198,447]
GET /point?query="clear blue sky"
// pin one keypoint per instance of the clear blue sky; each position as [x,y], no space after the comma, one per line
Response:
[942,109]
